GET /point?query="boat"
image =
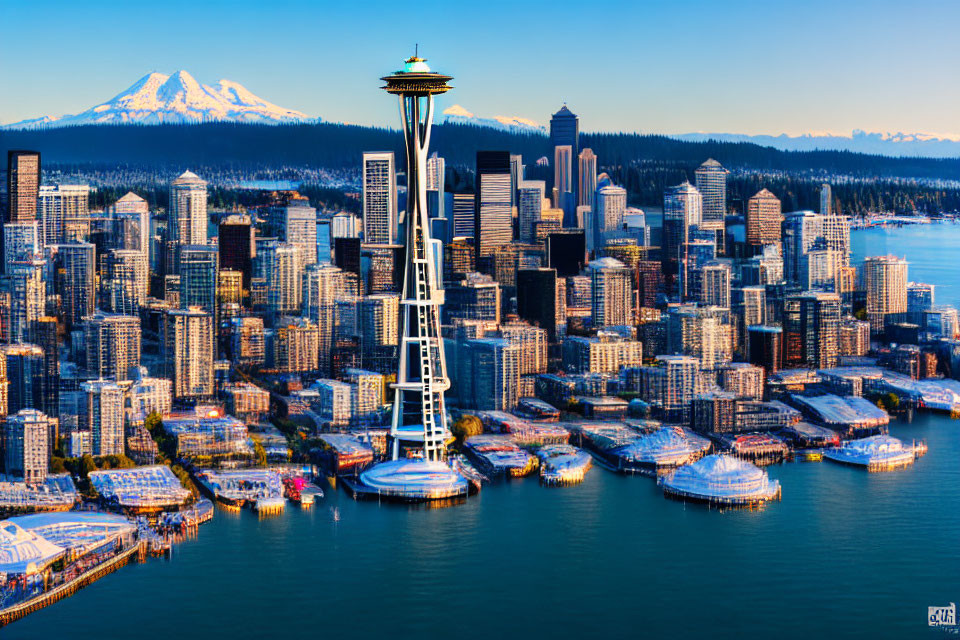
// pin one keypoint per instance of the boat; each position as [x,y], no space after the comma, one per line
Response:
[563,464]
[410,480]
[877,453]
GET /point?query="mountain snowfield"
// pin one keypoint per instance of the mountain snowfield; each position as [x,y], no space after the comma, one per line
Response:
[177,98]
[460,115]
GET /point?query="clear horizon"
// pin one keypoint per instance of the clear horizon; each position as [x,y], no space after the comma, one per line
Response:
[745,67]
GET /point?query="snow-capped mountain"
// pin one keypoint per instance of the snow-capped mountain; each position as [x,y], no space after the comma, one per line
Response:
[459,115]
[179,98]
[925,145]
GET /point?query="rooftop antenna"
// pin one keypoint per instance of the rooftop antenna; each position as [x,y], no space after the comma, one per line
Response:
[416,49]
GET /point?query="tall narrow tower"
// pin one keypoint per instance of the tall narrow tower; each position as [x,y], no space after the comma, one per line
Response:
[419,413]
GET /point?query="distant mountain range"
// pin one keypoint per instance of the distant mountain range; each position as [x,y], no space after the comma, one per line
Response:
[177,99]
[914,145]
[459,115]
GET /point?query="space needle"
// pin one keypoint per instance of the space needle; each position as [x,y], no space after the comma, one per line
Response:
[418,468]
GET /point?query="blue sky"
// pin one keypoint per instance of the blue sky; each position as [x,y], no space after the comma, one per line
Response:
[745,67]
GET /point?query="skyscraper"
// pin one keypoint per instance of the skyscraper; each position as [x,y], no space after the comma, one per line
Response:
[64,213]
[131,218]
[300,230]
[27,292]
[711,180]
[562,172]
[565,132]
[235,241]
[811,330]
[77,287]
[464,215]
[610,289]
[45,334]
[23,185]
[379,198]
[493,222]
[763,219]
[188,353]
[26,376]
[610,205]
[541,299]
[682,214]
[112,343]
[530,208]
[198,277]
[101,415]
[186,215]
[886,280]
[587,183]
[124,281]
[826,200]
[805,232]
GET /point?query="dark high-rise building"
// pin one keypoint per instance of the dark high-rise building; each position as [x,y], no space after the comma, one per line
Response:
[76,267]
[25,373]
[565,132]
[811,330]
[346,255]
[493,215]
[539,300]
[23,185]
[764,344]
[45,332]
[567,252]
[235,239]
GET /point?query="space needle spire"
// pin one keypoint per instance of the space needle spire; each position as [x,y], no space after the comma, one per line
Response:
[419,412]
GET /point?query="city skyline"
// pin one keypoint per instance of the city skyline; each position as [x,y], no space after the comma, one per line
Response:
[842,71]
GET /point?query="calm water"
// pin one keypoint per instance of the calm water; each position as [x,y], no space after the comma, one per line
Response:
[845,553]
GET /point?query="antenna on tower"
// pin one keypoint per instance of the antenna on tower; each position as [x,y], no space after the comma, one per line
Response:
[416,49]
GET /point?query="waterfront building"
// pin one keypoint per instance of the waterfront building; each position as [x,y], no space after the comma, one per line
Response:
[188,353]
[886,284]
[101,414]
[367,395]
[489,374]
[246,401]
[77,285]
[763,219]
[112,345]
[379,198]
[26,445]
[64,213]
[199,265]
[672,385]
[711,182]
[124,280]
[743,380]
[334,402]
[610,292]
[493,221]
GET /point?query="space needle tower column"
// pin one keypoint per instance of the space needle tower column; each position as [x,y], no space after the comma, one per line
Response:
[418,409]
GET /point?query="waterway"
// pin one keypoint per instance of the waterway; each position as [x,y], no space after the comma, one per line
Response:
[844,554]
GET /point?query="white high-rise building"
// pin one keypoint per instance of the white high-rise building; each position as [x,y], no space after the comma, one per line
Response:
[379,198]
[133,205]
[610,292]
[300,230]
[187,214]
[610,206]
[715,284]
[26,445]
[188,352]
[886,280]
[826,200]
[587,175]
[21,243]
[284,292]
[64,213]
[682,213]
[124,281]
[345,225]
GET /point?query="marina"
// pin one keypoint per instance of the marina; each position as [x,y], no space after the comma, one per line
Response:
[877,453]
